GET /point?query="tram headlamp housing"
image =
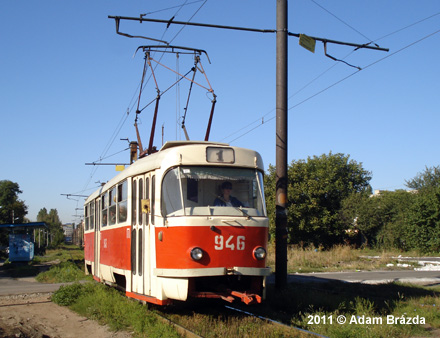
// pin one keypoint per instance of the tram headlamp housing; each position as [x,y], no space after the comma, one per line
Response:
[196,253]
[259,253]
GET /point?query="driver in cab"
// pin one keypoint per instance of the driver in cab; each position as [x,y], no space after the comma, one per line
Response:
[225,199]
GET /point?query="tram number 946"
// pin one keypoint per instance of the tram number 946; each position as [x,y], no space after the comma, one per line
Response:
[232,243]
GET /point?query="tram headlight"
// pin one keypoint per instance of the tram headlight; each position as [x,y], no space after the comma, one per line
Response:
[259,253]
[196,254]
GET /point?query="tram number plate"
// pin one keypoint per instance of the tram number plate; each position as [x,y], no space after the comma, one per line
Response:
[232,243]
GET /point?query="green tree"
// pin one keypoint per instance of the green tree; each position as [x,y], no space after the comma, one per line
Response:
[316,189]
[394,207]
[362,217]
[54,223]
[12,210]
[379,220]
[422,231]
[430,178]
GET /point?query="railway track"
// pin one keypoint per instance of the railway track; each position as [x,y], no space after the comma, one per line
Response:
[183,331]
[277,323]
[223,314]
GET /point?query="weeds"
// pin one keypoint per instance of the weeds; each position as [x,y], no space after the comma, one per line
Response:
[108,306]
[339,258]
[293,306]
[365,308]
[61,273]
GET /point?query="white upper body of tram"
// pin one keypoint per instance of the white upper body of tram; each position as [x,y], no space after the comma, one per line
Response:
[157,229]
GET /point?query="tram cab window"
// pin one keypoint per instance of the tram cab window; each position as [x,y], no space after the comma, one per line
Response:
[192,191]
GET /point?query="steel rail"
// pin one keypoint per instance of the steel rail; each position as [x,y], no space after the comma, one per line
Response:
[276,322]
[179,328]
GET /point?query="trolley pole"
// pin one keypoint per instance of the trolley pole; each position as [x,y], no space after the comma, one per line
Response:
[281,146]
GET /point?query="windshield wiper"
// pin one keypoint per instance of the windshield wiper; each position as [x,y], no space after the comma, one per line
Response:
[243,211]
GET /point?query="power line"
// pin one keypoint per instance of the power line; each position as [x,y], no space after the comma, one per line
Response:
[406,27]
[339,19]
[337,82]
[178,6]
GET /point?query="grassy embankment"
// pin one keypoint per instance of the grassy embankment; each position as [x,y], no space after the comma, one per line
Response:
[300,305]
[340,258]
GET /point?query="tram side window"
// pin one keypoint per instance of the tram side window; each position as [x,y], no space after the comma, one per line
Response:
[122,202]
[141,194]
[134,202]
[92,215]
[86,217]
[153,197]
[104,204]
[112,206]
[147,196]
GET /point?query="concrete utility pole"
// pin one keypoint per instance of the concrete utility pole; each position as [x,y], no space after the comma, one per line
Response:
[281,147]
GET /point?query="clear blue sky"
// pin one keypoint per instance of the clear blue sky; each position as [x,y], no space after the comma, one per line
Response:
[67,81]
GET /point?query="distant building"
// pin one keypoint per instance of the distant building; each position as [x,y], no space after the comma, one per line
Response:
[78,235]
[379,192]
[68,232]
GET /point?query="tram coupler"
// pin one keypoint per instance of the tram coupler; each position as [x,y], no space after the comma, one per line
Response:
[247,298]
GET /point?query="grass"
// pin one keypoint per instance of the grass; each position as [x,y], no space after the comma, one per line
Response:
[298,305]
[63,254]
[65,264]
[356,302]
[108,306]
[62,273]
[339,258]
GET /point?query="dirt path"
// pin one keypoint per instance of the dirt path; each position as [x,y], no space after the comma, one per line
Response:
[35,316]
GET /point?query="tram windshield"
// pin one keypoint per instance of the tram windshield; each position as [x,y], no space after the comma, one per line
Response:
[212,191]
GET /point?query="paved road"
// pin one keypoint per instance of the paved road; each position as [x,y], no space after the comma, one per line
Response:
[12,286]
[371,277]
[426,272]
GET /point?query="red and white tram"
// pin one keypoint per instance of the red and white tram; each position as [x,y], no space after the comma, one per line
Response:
[156,231]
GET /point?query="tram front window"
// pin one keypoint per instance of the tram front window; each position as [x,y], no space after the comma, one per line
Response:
[211,191]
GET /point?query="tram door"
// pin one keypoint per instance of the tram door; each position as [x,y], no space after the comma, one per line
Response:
[97,235]
[140,235]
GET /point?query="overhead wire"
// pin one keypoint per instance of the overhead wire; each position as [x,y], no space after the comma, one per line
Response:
[302,88]
[406,27]
[339,19]
[178,6]
[341,80]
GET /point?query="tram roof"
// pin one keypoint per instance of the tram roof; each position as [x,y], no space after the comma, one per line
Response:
[157,159]
[171,144]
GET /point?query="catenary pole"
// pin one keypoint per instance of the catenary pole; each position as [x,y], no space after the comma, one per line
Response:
[281,146]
